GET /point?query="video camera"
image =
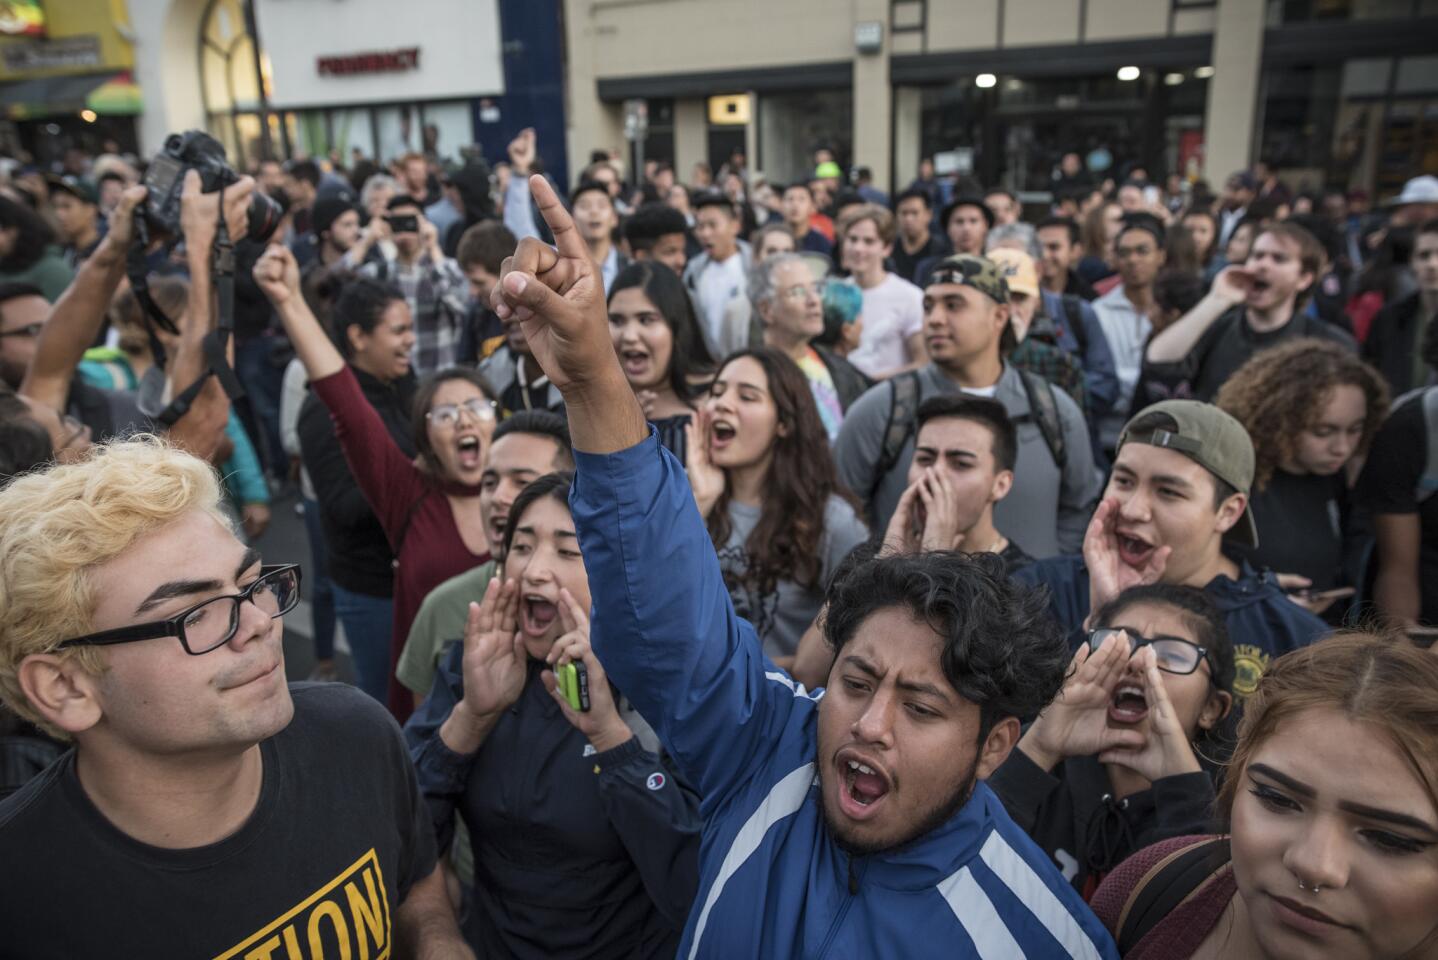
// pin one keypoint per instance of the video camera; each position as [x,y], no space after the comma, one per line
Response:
[165,180]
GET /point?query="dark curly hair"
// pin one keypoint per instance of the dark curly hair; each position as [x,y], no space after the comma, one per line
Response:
[1280,392]
[784,544]
[1002,650]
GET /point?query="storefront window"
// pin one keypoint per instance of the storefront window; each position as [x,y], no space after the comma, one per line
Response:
[793,125]
[1300,11]
[230,81]
[1363,123]
[1015,132]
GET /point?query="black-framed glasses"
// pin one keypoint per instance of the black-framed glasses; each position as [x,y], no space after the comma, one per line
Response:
[210,625]
[1173,654]
[447,414]
[29,330]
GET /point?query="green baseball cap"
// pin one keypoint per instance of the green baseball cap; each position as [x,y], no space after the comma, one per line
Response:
[79,189]
[1207,436]
[967,270]
[828,170]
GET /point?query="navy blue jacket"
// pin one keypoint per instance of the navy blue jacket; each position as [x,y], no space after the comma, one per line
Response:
[576,853]
[1262,622]
[773,881]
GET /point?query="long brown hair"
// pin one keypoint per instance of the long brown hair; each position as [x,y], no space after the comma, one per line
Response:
[784,544]
[1281,391]
[1373,677]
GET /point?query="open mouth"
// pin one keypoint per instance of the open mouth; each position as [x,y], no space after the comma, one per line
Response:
[862,787]
[1261,286]
[497,526]
[721,433]
[537,615]
[1134,551]
[635,362]
[470,452]
[1129,704]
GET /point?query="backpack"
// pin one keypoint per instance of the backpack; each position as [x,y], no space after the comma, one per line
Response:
[1169,885]
[904,415]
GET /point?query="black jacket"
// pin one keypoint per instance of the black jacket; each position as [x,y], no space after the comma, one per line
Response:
[849,381]
[359,554]
[1392,340]
[576,853]
[1072,814]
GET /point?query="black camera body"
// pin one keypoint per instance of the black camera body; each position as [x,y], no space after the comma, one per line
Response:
[198,151]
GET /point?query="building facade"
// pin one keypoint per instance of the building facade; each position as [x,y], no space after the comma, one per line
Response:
[1335,92]
[287,78]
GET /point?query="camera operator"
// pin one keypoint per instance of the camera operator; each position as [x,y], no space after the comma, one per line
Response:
[62,337]
[432,283]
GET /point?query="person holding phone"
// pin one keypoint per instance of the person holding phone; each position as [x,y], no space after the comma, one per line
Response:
[585,842]
[1114,763]
[433,284]
[1311,408]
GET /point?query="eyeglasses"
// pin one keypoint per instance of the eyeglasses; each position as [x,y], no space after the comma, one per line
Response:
[29,330]
[800,291]
[1173,655]
[210,625]
[447,414]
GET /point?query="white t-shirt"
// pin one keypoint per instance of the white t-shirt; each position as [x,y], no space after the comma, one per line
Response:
[893,312]
[719,283]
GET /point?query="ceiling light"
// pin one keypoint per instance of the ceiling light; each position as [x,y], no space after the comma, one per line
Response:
[87,115]
[1128,73]
[1203,73]
[985,80]
[1173,79]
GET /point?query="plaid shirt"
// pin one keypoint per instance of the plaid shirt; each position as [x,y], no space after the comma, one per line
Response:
[1053,364]
[438,298]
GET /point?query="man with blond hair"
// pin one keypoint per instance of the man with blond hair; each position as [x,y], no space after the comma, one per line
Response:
[216,810]
[893,337]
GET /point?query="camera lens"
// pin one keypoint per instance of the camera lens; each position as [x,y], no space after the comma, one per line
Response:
[264,218]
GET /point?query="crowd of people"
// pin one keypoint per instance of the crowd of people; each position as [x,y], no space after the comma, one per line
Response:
[727,569]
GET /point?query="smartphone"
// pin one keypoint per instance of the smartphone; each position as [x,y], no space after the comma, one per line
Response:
[404,223]
[573,680]
[1151,195]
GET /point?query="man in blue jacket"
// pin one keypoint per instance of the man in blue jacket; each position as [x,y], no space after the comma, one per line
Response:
[1178,490]
[852,823]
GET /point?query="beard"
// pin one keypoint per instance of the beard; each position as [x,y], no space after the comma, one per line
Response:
[928,820]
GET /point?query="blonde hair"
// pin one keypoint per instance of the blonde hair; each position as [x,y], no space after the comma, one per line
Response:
[56,525]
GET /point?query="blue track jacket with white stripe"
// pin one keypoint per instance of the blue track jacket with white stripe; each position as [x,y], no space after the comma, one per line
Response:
[773,883]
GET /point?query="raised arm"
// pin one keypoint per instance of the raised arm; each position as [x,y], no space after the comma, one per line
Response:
[1230,288]
[202,428]
[76,317]
[278,275]
[691,667]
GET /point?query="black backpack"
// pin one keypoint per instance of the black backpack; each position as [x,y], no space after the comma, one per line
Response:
[904,415]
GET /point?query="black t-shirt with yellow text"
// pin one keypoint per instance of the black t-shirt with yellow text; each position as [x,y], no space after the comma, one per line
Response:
[337,838]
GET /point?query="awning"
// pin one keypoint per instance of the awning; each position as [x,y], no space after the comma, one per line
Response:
[112,94]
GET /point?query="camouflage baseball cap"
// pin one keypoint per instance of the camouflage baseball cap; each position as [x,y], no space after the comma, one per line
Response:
[967,270]
[1209,437]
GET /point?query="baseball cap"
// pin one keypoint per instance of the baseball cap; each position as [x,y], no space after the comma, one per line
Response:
[981,273]
[967,201]
[828,170]
[1018,270]
[1210,438]
[79,189]
[329,207]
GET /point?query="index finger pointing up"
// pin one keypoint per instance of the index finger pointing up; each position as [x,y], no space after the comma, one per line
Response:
[566,238]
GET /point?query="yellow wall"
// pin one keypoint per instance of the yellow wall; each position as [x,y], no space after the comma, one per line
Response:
[77,18]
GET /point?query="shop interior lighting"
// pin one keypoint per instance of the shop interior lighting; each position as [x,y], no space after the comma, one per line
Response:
[1203,73]
[985,80]
[1128,73]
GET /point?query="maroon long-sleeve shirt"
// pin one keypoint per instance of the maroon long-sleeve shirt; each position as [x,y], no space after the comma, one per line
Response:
[412,506]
